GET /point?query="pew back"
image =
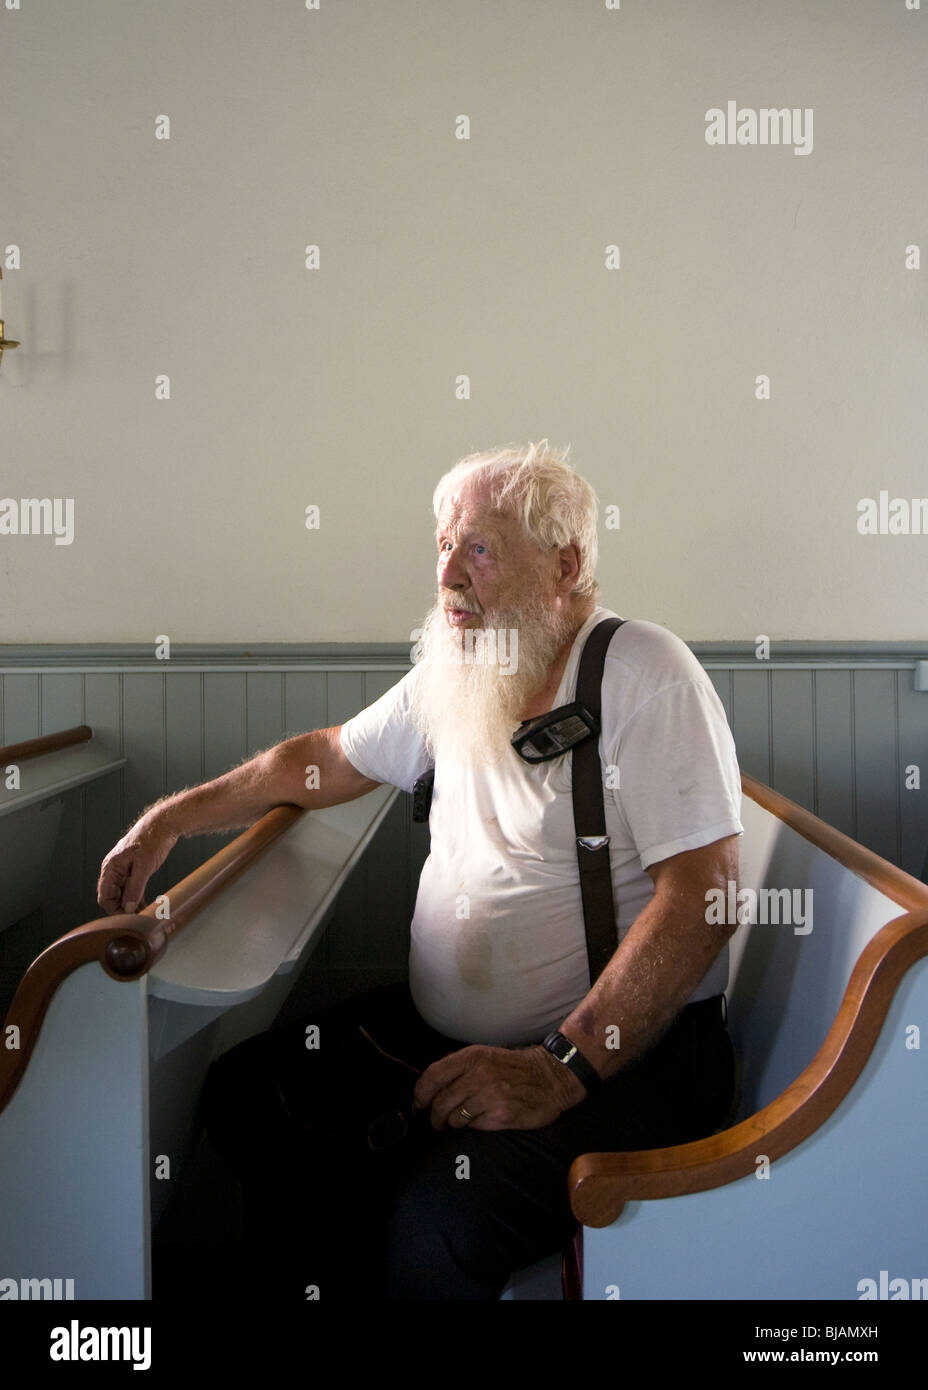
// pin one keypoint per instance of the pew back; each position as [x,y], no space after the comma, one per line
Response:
[818,1186]
[116,1066]
[788,973]
[35,776]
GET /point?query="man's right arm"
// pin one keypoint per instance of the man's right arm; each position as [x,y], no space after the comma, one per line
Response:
[275,777]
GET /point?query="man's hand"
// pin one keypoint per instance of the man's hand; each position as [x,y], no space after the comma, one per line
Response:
[131,863]
[501,1088]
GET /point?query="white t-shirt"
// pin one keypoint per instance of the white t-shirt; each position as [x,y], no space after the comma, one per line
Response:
[498,951]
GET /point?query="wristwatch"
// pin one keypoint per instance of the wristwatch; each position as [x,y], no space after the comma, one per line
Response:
[570,1056]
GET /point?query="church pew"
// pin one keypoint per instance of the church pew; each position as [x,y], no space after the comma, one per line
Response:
[35,776]
[807,1010]
[112,1030]
[817,1190]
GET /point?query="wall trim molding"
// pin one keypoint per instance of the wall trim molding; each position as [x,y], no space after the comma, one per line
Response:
[28,658]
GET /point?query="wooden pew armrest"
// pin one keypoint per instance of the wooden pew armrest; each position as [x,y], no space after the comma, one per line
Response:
[600,1184]
[200,968]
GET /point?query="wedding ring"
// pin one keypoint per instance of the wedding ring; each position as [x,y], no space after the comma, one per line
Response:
[465,1114]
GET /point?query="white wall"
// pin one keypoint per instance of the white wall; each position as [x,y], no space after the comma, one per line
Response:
[442,256]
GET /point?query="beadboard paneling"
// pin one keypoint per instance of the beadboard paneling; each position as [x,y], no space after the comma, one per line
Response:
[835,734]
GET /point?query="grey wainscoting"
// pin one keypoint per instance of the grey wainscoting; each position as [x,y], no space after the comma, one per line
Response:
[846,738]
[186,721]
[832,727]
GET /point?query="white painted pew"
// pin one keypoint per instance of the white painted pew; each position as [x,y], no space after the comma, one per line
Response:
[121,1051]
[46,768]
[117,1067]
[832,1106]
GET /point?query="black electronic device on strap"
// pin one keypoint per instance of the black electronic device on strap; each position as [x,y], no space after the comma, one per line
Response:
[422,795]
[552,734]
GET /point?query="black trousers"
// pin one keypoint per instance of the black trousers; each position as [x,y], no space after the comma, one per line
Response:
[349,1194]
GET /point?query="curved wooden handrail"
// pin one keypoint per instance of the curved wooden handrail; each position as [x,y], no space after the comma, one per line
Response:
[887,878]
[124,949]
[187,898]
[127,945]
[45,743]
[600,1184]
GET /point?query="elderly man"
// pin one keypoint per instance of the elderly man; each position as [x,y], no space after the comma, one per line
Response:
[428,1137]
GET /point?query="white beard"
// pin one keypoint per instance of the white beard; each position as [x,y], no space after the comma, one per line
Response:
[472,690]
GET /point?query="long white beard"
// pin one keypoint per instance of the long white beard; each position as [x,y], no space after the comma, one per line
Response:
[472,689]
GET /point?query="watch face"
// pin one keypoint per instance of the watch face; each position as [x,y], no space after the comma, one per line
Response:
[562,1047]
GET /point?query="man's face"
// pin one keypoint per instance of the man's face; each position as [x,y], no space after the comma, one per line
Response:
[489,577]
[485,563]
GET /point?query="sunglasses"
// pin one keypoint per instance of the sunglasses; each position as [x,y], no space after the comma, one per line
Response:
[392,1126]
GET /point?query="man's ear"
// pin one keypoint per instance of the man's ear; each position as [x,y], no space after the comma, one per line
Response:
[569,556]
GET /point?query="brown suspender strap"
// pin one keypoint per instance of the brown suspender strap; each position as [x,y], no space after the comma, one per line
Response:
[590,811]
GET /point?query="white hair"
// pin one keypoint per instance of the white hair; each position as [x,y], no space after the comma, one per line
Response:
[536,484]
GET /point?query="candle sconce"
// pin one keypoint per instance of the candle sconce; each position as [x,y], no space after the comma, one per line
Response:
[5,342]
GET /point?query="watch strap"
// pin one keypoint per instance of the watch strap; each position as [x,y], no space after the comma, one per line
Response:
[570,1056]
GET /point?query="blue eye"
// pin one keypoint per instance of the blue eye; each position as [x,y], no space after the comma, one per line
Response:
[477,547]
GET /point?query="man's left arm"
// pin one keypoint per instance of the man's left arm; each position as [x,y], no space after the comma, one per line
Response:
[666,952]
[660,961]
